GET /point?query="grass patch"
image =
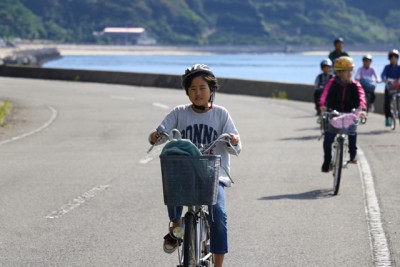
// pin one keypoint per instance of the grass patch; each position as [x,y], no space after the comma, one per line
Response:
[279,95]
[5,108]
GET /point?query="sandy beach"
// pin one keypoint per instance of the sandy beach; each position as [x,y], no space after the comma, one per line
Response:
[66,50]
[72,49]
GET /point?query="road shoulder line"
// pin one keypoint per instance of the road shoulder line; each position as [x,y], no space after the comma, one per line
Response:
[44,126]
[379,244]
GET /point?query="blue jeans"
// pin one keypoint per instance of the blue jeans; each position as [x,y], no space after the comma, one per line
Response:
[217,221]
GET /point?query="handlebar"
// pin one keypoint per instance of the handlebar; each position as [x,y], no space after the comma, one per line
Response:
[164,136]
[226,138]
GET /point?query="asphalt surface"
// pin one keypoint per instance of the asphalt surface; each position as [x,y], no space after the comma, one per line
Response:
[78,189]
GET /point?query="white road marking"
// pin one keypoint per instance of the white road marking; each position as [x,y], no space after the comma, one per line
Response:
[76,202]
[146,160]
[127,98]
[160,105]
[379,243]
[44,126]
[154,153]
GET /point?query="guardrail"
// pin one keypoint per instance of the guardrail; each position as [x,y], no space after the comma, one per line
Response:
[291,91]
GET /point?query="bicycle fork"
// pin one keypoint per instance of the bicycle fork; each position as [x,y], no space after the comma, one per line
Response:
[342,142]
[202,236]
[199,246]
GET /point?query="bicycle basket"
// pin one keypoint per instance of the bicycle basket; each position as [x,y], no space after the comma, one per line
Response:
[344,123]
[190,180]
[394,87]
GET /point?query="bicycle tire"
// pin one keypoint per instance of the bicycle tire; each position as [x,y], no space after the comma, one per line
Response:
[337,167]
[189,241]
[368,98]
[393,109]
[398,105]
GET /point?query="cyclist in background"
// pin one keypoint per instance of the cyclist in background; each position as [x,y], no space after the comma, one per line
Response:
[338,52]
[391,71]
[367,76]
[343,95]
[321,80]
[202,122]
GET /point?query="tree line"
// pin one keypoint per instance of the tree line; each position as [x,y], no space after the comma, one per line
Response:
[255,22]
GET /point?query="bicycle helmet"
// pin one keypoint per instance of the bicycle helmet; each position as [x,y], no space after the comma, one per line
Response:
[344,63]
[200,70]
[326,62]
[367,56]
[394,53]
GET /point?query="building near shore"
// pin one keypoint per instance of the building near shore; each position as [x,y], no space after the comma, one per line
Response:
[125,36]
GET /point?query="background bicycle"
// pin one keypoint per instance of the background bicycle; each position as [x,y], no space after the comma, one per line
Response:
[341,124]
[393,86]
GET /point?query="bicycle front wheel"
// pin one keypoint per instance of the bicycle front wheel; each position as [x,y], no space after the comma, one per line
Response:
[397,108]
[393,111]
[189,241]
[337,165]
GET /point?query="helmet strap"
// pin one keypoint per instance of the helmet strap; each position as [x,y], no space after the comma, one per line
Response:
[202,108]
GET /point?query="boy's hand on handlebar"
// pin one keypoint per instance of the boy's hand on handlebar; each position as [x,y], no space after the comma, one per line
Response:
[153,137]
[323,109]
[234,139]
[363,114]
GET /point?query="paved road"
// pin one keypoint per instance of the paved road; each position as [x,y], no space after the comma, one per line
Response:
[77,188]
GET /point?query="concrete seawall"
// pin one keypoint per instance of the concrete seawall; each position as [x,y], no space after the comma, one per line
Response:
[297,92]
[31,57]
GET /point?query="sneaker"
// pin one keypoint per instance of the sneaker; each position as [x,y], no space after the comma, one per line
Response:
[325,166]
[387,122]
[372,108]
[171,243]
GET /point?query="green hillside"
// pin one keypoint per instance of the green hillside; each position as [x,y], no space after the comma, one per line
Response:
[206,21]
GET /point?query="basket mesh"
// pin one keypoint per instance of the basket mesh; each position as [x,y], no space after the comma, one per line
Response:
[190,180]
[344,130]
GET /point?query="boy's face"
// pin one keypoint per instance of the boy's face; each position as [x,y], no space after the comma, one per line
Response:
[394,60]
[199,92]
[366,63]
[345,75]
[339,46]
[326,70]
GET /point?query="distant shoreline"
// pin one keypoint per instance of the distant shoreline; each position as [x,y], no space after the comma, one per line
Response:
[74,49]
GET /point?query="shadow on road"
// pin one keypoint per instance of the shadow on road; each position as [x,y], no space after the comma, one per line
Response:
[315,194]
[308,129]
[305,117]
[301,138]
[377,132]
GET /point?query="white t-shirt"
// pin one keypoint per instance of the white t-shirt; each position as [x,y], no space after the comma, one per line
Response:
[204,128]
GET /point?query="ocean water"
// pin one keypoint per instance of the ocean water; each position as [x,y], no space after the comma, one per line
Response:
[288,68]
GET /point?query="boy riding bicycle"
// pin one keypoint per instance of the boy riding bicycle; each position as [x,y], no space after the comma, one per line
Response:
[321,80]
[338,43]
[391,71]
[367,76]
[202,122]
[343,95]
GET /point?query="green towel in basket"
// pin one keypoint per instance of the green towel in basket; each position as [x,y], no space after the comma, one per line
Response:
[183,147]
